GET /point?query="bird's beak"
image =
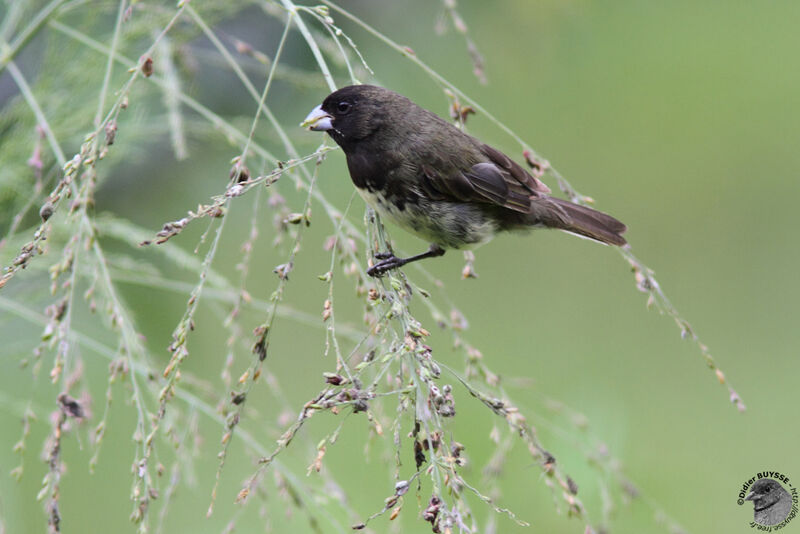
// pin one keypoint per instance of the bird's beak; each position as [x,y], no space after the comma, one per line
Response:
[751,496]
[317,120]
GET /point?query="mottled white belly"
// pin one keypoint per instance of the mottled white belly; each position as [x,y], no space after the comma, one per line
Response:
[446,224]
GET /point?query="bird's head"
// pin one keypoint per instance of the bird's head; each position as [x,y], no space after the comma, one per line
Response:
[356,112]
[765,493]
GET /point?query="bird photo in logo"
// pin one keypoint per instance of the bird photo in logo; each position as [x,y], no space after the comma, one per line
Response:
[771,502]
[443,185]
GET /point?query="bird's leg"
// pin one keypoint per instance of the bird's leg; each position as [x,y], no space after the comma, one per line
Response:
[389,261]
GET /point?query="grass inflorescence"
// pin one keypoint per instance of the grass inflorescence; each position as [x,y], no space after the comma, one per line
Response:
[386,371]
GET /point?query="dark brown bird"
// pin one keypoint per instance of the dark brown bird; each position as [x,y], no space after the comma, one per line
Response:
[771,502]
[447,187]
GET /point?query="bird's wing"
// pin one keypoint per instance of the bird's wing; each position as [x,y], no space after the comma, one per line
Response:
[498,181]
[520,175]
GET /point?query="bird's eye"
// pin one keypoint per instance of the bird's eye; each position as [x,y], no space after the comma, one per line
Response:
[343,107]
[767,489]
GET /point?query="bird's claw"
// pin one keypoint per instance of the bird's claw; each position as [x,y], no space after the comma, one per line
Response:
[388,262]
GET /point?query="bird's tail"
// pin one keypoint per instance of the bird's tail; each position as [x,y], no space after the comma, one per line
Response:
[583,221]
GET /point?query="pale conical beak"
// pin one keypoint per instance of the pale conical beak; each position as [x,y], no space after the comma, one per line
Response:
[317,120]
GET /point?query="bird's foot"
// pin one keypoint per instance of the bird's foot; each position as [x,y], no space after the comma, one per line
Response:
[388,262]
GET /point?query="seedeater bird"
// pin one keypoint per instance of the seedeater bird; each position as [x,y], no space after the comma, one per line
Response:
[771,502]
[432,179]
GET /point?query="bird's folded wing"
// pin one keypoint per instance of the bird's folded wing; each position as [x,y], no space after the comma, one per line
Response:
[498,181]
[520,176]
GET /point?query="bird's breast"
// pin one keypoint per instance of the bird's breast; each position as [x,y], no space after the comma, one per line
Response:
[369,171]
[447,224]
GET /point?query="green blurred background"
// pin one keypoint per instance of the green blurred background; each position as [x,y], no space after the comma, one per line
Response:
[680,118]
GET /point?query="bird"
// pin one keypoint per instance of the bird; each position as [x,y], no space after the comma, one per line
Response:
[438,182]
[771,502]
